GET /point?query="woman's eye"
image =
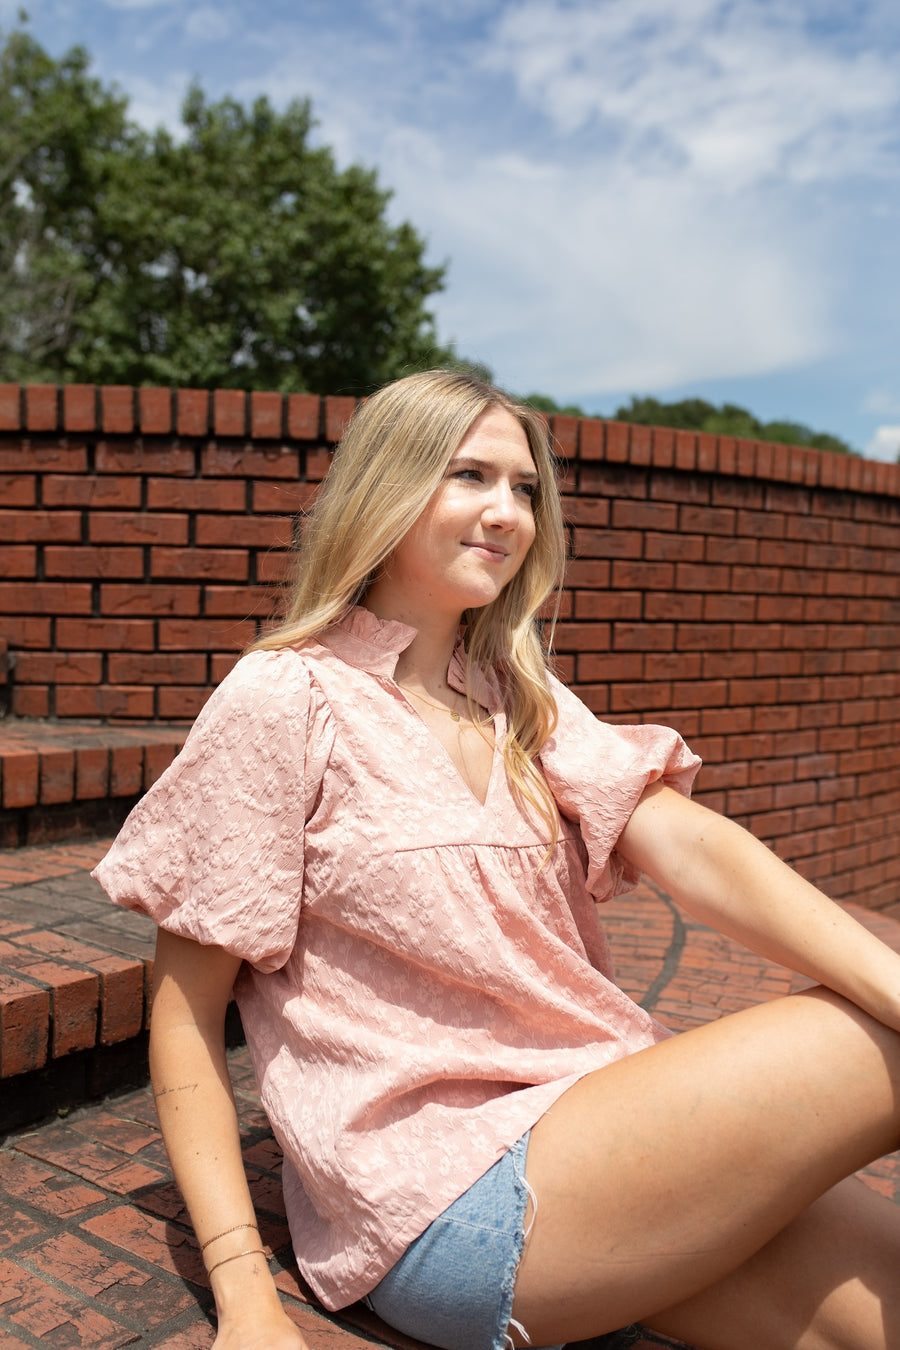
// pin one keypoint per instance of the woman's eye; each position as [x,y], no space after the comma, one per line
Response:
[472,475]
[529,489]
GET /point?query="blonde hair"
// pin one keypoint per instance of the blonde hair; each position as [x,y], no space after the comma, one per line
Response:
[390,461]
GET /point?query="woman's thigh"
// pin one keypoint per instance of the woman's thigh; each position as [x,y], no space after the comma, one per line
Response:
[661,1174]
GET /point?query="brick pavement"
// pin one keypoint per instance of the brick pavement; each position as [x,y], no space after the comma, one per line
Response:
[95,1247]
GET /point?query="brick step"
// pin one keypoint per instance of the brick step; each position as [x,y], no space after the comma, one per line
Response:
[63,780]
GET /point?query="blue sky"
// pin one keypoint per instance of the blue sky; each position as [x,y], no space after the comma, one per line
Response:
[669,197]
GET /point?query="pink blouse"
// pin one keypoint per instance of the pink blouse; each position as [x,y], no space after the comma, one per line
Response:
[420,984]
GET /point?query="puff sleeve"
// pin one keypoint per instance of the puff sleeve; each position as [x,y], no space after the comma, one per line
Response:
[214,851]
[597,773]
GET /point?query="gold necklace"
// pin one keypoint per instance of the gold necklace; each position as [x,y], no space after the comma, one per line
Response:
[438,707]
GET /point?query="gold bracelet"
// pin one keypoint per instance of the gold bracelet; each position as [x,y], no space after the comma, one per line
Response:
[236,1229]
[254,1251]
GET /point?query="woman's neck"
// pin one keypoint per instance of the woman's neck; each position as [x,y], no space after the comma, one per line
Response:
[423,664]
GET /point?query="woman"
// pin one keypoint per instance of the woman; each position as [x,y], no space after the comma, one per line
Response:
[390,842]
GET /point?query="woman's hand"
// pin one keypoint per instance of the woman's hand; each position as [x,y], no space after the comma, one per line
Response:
[275,1331]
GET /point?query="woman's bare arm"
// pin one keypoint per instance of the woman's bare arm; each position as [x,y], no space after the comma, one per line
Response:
[194,1100]
[725,877]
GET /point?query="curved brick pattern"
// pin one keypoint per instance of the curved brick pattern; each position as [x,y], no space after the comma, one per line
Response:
[95,1245]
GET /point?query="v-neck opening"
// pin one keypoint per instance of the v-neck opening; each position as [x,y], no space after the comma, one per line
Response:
[454,770]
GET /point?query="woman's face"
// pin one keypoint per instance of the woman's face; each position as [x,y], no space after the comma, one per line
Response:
[473,535]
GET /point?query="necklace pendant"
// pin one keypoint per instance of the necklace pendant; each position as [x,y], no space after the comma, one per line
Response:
[454,715]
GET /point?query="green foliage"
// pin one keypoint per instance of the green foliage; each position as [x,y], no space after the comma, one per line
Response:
[695,414]
[544,403]
[237,255]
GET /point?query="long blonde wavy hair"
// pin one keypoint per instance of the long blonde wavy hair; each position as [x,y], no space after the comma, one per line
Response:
[391,459]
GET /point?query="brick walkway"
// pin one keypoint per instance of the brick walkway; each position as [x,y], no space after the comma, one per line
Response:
[95,1246]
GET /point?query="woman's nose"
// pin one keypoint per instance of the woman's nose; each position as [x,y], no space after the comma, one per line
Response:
[502,509]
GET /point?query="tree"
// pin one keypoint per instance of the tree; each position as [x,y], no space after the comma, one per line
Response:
[238,255]
[695,414]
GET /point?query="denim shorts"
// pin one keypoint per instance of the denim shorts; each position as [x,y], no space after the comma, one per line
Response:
[453,1286]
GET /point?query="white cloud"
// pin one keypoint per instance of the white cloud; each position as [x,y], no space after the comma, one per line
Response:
[885,445]
[731,93]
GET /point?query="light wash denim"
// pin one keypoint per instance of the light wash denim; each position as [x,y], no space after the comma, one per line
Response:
[453,1286]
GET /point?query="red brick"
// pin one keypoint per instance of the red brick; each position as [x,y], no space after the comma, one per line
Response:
[74,996]
[200,564]
[616,442]
[79,407]
[195,494]
[156,668]
[303,416]
[28,631]
[607,544]
[266,410]
[592,441]
[41,407]
[663,447]
[17,489]
[177,703]
[204,634]
[155,411]
[121,982]
[642,576]
[221,664]
[339,408]
[130,704]
[229,412]
[57,776]
[86,561]
[117,409]
[241,601]
[152,457]
[134,635]
[10,407]
[675,547]
[45,598]
[244,531]
[139,527]
[597,667]
[564,430]
[251,461]
[704,637]
[685,451]
[126,772]
[285,499]
[615,481]
[18,560]
[643,637]
[149,599]
[106,492]
[91,772]
[192,412]
[39,526]
[316,464]
[20,779]
[608,605]
[672,605]
[157,759]
[31,700]
[640,698]
[24,1026]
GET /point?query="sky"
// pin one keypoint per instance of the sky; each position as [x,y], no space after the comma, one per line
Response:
[677,198]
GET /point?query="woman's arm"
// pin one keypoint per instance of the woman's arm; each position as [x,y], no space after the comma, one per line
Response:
[726,878]
[194,1101]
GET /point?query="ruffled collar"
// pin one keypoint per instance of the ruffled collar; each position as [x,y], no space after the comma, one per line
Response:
[363,640]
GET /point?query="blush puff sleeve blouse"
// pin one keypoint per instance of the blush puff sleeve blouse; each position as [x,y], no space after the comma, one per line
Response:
[419,981]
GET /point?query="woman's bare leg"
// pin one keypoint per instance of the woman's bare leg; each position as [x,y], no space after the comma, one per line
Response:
[829,1279]
[659,1177]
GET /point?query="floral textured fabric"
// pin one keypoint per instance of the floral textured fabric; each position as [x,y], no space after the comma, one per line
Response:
[420,982]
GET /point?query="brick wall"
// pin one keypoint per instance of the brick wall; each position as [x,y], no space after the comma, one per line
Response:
[746,593]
